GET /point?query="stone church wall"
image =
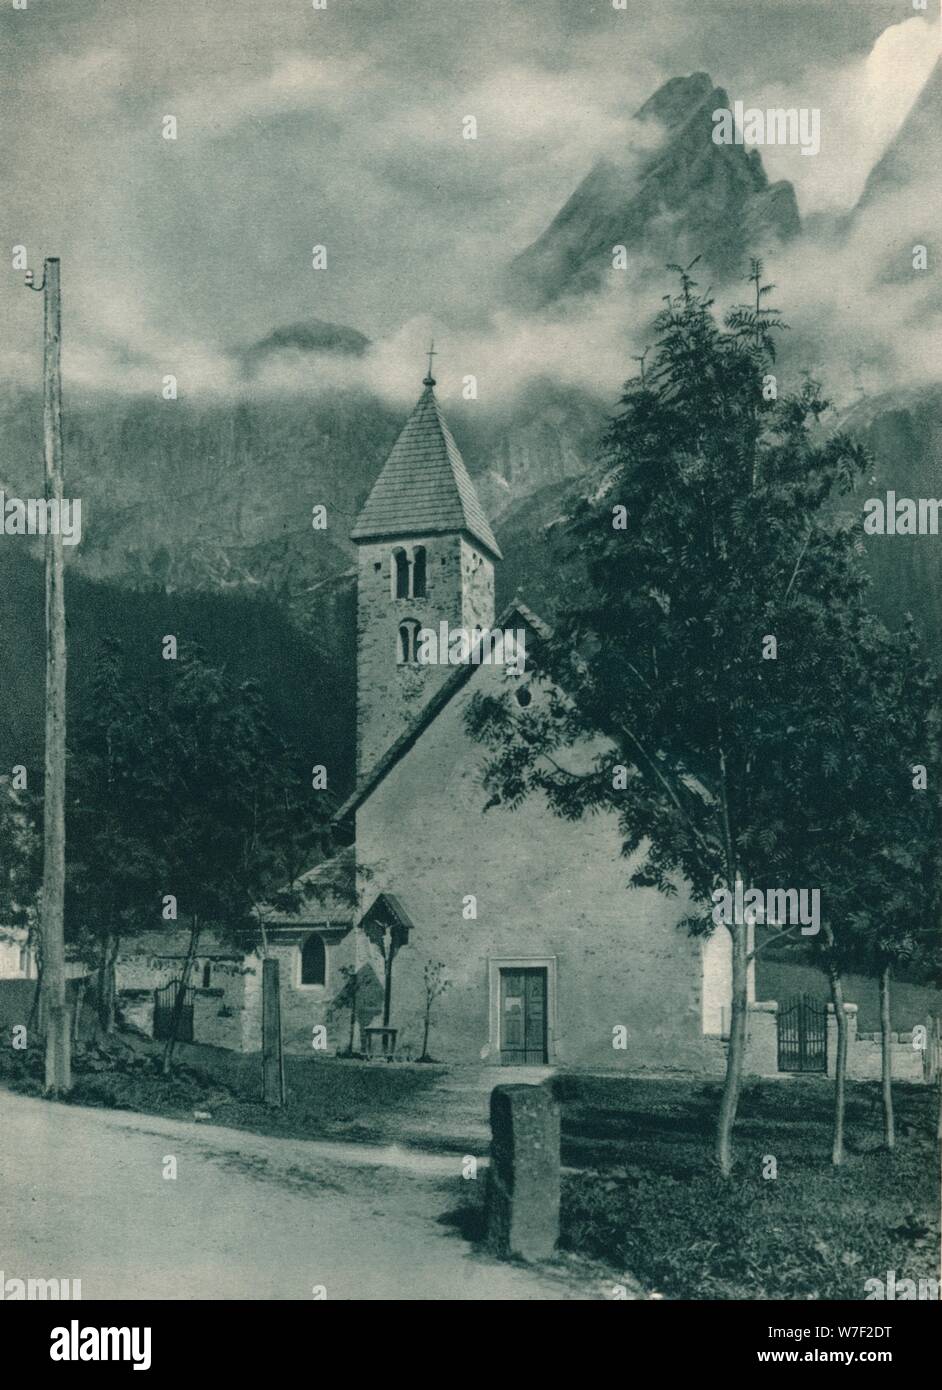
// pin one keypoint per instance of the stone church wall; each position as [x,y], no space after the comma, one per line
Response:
[546,891]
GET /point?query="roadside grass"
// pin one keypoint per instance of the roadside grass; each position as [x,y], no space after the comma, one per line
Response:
[327,1097]
[654,1204]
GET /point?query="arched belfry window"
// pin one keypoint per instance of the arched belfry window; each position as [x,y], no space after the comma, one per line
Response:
[408,644]
[313,961]
[400,573]
[418,572]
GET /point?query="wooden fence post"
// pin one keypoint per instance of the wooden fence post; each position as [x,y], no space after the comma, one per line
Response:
[273,1066]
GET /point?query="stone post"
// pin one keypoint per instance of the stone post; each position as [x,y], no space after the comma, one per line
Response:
[523,1178]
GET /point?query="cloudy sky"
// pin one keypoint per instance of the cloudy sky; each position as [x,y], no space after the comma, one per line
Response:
[343,127]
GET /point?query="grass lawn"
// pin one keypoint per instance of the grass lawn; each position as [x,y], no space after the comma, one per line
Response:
[654,1204]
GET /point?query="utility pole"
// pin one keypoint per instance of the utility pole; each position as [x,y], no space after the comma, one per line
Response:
[58,1037]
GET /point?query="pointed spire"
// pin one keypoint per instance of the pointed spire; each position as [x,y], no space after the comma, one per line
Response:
[424,487]
[429,380]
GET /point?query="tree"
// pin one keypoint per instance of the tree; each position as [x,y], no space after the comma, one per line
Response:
[21,870]
[182,790]
[876,851]
[235,822]
[20,856]
[433,977]
[898,925]
[710,591]
[114,869]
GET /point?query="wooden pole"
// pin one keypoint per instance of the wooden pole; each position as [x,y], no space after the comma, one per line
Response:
[886,1060]
[273,1066]
[58,1049]
[387,983]
[180,997]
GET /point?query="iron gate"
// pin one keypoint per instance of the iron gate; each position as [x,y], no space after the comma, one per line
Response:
[164,1004]
[802,1034]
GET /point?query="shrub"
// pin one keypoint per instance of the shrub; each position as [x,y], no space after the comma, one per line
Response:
[815,1235]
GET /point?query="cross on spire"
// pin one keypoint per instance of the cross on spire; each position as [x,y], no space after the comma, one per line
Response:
[430,380]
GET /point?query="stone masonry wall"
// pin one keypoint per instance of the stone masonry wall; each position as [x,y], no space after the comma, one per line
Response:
[303,1007]
[459,591]
[864,1052]
[548,892]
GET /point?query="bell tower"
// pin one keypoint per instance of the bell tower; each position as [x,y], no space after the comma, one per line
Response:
[426,555]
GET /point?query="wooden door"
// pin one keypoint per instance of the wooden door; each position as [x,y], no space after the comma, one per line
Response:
[523,1017]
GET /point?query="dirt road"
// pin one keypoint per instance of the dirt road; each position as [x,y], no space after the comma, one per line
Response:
[84,1196]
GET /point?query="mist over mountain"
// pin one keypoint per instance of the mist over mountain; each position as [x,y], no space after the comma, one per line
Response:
[903,431]
[672,196]
[193,503]
[219,497]
[311,337]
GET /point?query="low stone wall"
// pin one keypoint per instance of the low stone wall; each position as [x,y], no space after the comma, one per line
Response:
[216,1022]
[762,1040]
[137,1009]
[864,1051]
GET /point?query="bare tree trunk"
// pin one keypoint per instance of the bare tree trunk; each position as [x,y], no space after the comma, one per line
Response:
[840,1070]
[58,1036]
[79,1005]
[105,984]
[428,1019]
[353,1007]
[886,1051]
[273,1063]
[181,994]
[34,1011]
[736,1056]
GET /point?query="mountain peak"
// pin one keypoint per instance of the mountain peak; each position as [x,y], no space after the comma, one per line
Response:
[675,102]
[686,197]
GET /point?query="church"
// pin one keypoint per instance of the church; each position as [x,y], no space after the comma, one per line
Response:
[449,926]
[546,955]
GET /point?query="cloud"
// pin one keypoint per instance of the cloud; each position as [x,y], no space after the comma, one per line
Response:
[863,104]
[295,82]
[89,77]
[297,127]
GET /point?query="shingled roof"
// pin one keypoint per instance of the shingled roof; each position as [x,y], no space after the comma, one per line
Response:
[424,488]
